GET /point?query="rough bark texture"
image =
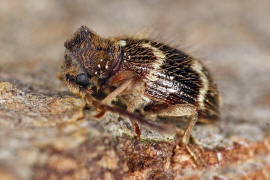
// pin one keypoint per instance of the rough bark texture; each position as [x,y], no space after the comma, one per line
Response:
[47,134]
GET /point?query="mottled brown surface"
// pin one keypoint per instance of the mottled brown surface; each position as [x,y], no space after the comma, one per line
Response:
[44,133]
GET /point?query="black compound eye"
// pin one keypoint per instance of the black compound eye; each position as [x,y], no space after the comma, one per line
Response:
[81,79]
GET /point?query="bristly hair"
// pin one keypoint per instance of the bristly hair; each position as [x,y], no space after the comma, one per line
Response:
[172,76]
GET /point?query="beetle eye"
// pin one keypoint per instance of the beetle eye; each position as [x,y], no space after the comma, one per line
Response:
[81,79]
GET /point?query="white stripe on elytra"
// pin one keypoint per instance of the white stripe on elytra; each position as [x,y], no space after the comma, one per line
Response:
[160,58]
[122,43]
[197,66]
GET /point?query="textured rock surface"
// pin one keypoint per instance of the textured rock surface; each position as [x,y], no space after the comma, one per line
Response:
[45,135]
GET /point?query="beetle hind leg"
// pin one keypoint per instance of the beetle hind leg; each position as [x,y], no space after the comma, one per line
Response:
[180,111]
[187,133]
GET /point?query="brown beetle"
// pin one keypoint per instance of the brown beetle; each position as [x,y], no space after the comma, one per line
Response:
[147,77]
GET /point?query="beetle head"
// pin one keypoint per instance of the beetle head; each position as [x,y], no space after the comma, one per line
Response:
[89,60]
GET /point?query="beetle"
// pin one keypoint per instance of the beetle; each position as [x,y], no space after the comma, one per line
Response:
[148,78]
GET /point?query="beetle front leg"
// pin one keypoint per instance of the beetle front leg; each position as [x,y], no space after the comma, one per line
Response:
[107,100]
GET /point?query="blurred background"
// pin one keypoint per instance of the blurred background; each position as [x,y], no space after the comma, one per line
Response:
[231,37]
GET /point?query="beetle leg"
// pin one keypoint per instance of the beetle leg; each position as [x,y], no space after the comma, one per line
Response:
[180,111]
[192,121]
[131,106]
[137,93]
[107,100]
